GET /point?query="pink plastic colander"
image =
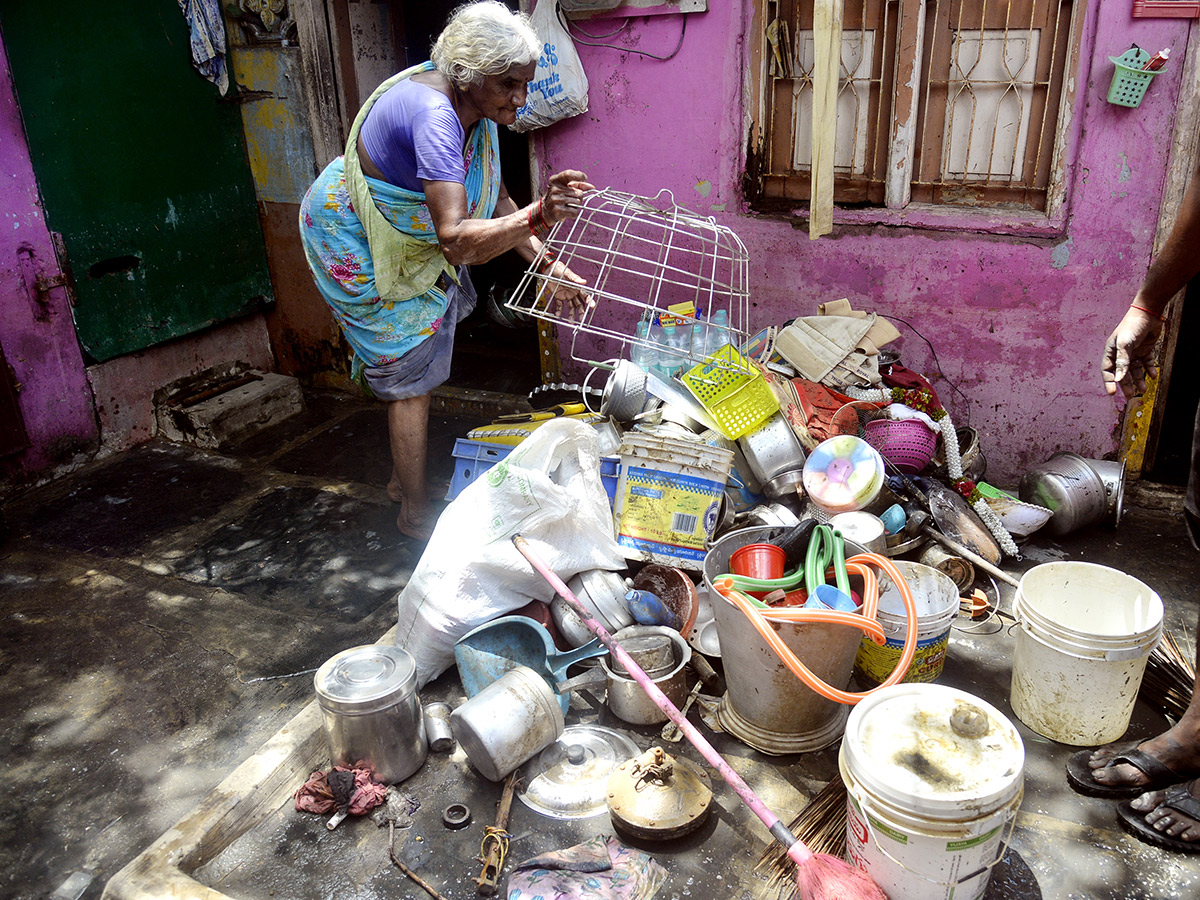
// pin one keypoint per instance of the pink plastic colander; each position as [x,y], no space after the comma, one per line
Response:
[908,444]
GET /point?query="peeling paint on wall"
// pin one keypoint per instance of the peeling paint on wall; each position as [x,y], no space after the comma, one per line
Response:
[278,139]
[654,124]
[1061,254]
[1124,172]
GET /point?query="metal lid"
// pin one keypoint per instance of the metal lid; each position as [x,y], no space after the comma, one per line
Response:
[571,780]
[656,796]
[934,750]
[366,679]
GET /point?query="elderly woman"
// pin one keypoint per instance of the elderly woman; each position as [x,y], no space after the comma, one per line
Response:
[390,228]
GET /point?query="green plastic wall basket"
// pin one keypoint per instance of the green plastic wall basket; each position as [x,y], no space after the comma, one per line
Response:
[1130,80]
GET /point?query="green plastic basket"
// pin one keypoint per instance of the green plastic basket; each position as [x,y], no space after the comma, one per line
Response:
[733,391]
[1130,80]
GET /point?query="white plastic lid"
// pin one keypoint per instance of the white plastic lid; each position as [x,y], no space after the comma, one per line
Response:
[934,750]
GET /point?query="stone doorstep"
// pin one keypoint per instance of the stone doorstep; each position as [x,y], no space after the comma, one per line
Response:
[253,403]
[251,793]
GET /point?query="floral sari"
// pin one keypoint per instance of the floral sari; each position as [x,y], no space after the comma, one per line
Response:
[385,317]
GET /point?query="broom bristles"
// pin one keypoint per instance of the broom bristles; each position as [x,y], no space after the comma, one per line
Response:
[826,877]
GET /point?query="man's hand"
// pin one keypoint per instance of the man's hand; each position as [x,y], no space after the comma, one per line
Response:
[1129,353]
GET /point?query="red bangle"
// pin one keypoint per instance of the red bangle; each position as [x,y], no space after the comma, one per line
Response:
[1151,312]
[535,209]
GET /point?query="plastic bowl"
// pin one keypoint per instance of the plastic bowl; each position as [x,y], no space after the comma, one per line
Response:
[1016,516]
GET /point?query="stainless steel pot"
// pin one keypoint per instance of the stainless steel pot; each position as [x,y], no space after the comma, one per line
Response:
[510,721]
[368,700]
[603,594]
[1070,487]
[626,698]
[772,450]
[772,515]
[1112,474]
[863,528]
[785,485]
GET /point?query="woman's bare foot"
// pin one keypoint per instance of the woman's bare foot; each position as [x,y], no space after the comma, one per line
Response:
[394,491]
[1178,749]
[419,527]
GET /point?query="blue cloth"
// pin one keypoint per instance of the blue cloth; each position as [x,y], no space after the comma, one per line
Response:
[427,365]
[206,33]
[412,134]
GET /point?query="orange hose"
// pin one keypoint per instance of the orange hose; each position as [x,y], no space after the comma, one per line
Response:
[761,620]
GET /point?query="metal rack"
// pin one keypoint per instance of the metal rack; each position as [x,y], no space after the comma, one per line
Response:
[639,255]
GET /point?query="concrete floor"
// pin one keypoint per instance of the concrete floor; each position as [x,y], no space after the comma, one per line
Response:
[198,592]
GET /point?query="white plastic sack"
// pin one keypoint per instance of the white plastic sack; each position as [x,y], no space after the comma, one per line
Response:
[559,87]
[549,490]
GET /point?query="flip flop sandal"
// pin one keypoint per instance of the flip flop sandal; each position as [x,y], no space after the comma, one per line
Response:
[1178,798]
[1079,775]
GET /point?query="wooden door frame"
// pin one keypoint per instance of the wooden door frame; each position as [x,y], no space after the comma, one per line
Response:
[323,90]
[1143,417]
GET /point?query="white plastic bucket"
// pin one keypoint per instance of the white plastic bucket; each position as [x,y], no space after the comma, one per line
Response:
[1086,632]
[935,596]
[934,778]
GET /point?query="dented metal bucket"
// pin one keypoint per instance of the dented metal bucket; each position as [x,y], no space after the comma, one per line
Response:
[766,706]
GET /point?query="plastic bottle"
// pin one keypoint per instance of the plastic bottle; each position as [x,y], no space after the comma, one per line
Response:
[642,356]
[670,362]
[699,342]
[718,331]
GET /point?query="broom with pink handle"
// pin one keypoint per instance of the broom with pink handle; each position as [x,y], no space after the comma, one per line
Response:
[819,876]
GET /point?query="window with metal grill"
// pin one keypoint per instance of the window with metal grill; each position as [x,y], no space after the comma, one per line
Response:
[943,102]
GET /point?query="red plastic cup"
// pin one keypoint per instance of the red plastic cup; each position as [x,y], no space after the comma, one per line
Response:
[762,561]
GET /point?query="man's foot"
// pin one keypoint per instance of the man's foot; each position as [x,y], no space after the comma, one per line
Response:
[1166,759]
[1169,818]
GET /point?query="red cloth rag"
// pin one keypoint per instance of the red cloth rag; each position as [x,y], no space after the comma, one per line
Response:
[314,795]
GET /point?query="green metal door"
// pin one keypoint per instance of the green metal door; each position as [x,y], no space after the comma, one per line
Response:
[142,167]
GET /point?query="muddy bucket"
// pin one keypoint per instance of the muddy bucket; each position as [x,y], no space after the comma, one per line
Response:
[934,779]
[765,705]
[1086,633]
[936,598]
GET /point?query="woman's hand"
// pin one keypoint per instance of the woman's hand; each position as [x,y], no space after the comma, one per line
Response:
[567,291]
[1129,352]
[564,196]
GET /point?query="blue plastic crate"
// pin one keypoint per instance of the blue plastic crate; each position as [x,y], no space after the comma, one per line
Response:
[472,459]
[610,471]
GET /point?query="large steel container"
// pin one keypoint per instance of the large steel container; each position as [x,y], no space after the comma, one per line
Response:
[368,699]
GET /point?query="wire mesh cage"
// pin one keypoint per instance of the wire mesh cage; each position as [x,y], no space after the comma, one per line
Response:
[643,259]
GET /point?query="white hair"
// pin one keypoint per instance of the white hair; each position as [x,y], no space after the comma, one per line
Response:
[484,38]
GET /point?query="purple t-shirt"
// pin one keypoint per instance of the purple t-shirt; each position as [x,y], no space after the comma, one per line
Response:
[412,134]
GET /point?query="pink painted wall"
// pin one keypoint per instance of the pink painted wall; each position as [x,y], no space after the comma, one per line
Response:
[38,338]
[1018,322]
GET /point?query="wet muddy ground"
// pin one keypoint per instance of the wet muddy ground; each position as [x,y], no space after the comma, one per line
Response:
[164,610]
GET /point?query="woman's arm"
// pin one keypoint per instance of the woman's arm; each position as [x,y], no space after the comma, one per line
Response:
[466,241]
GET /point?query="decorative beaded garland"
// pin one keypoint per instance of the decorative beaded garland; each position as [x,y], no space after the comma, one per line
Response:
[922,400]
